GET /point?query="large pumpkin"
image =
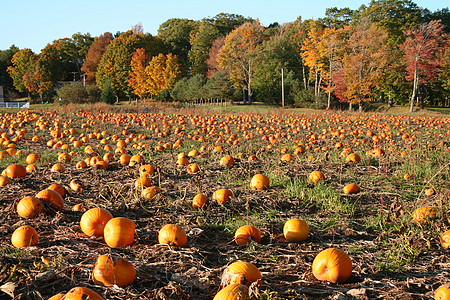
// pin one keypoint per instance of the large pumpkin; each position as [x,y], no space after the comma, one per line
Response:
[234,291]
[443,292]
[332,265]
[246,234]
[227,160]
[259,182]
[82,293]
[32,158]
[295,230]
[58,188]
[15,171]
[52,197]
[119,232]
[24,236]
[240,272]
[108,271]
[29,207]
[93,221]
[173,235]
[353,157]
[4,181]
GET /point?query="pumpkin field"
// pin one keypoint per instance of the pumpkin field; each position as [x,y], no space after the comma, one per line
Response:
[171,202]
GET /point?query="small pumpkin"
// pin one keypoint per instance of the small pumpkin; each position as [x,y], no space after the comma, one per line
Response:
[430,192]
[149,169]
[81,165]
[81,293]
[119,232]
[353,158]
[259,182]
[424,213]
[332,265]
[143,181]
[32,158]
[52,197]
[246,234]
[222,195]
[443,292]
[295,230]
[58,168]
[287,157]
[24,236]
[29,207]
[240,272]
[351,189]
[316,176]
[193,168]
[109,271]
[173,235]
[182,161]
[93,221]
[234,291]
[4,181]
[76,185]
[150,192]
[15,171]
[407,176]
[445,239]
[31,168]
[227,161]
[199,201]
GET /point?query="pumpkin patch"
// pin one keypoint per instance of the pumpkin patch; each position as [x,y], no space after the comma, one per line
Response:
[189,203]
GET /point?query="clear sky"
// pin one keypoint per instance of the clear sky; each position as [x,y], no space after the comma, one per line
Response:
[35,23]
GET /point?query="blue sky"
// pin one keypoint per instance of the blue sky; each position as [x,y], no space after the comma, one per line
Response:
[33,24]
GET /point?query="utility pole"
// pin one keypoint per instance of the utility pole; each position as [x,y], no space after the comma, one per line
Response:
[282,87]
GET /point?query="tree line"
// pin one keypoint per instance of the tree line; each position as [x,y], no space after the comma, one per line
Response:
[389,50]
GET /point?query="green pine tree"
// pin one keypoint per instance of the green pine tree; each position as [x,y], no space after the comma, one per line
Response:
[107,95]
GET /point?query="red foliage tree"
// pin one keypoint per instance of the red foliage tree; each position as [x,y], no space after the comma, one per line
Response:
[94,55]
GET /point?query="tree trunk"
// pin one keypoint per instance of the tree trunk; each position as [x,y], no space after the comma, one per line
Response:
[304,77]
[389,101]
[360,108]
[350,106]
[414,94]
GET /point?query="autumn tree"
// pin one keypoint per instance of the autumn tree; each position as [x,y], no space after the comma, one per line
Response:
[314,56]
[23,61]
[422,47]
[137,79]
[212,62]
[115,63]
[93,56]
[364,61]
[201,41]
[237,54]
[5,62]
[38,79]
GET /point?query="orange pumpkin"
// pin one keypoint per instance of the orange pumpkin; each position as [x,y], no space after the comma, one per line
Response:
[15,171]
[193,168]
[58,188]
[24,236]
[443,292]
[150,192]
[222,195]
[424,213]
[58,168]
[295,230]
[52,197]
[430,192]
[234,291]
[81,293]
[353,157]
[445,239]
[351,189]
[246,234]
[32,158]
[29,207]
[119,232]
[287,157]
[227,160]
[4,180]
[31,168]
[259,182]
[316,176]
[124,159]
[199,201]
[240,272]
[173,235]
[93,221]
[81,165]
[332,265]
[149,169]
[108,271]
